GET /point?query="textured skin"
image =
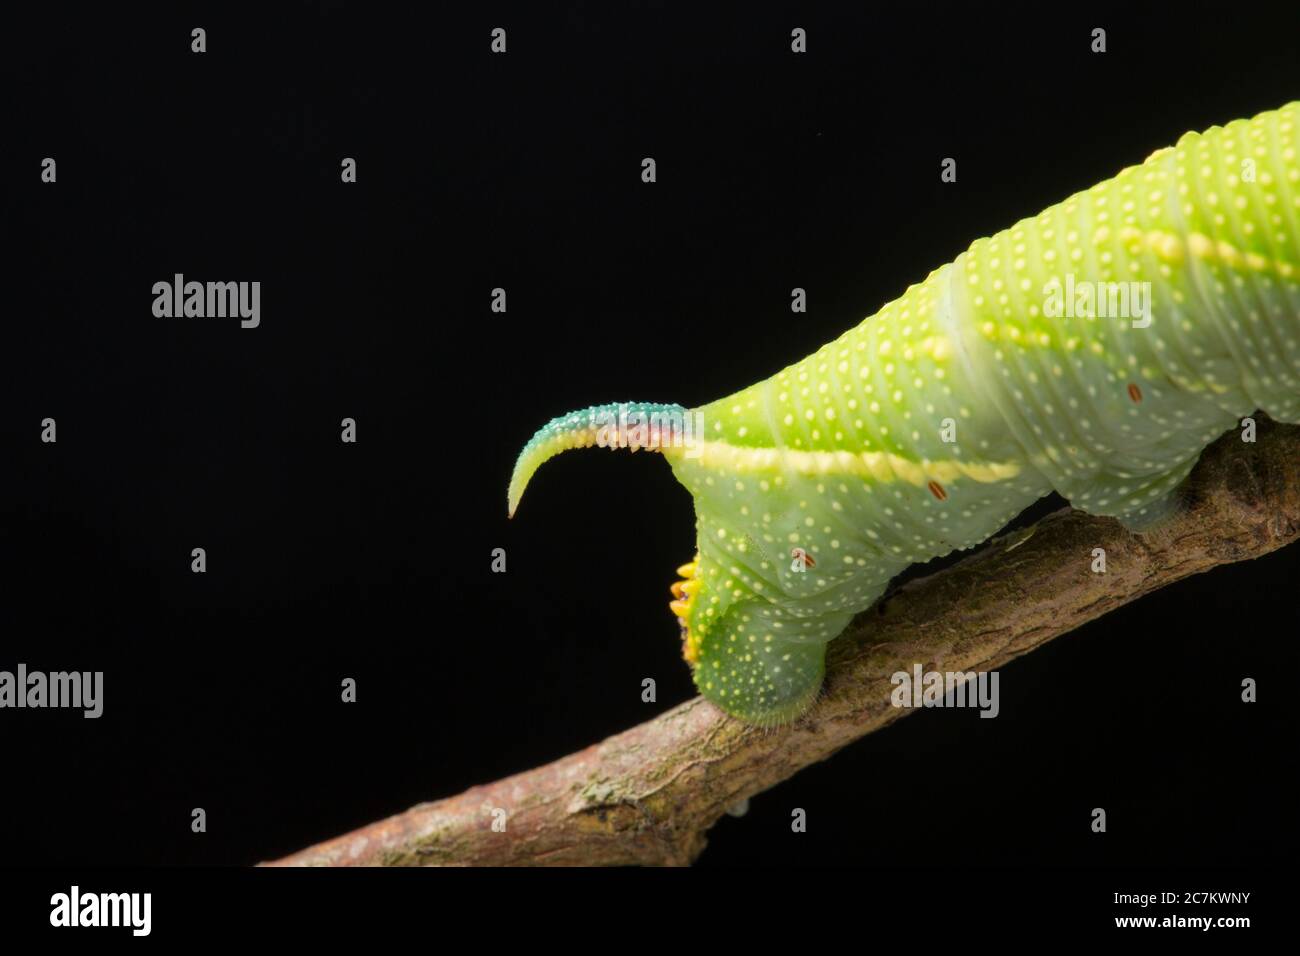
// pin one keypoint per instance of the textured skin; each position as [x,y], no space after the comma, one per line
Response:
[936,420]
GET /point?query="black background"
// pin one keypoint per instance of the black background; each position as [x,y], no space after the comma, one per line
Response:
[372,560]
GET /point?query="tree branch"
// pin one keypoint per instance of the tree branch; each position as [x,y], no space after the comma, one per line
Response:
[648,796]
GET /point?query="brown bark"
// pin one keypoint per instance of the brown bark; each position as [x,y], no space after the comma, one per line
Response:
[649,795]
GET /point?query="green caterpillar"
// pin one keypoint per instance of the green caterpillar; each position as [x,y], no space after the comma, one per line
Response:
[1093,350]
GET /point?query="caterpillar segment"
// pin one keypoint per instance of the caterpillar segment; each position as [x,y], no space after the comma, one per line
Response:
[1093,350]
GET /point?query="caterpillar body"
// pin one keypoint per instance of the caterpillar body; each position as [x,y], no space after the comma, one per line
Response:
[1003,376]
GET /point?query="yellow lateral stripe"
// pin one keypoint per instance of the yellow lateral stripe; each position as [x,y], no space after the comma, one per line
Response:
[878,465]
